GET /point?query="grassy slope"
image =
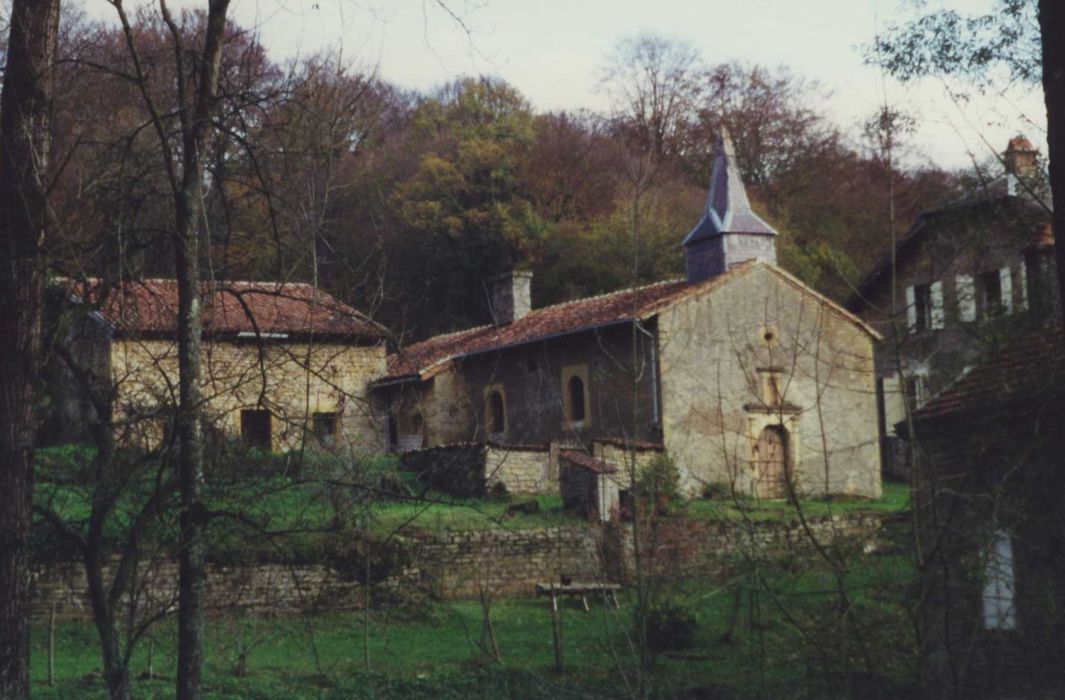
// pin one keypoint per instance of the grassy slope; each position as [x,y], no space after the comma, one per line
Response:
[433,653]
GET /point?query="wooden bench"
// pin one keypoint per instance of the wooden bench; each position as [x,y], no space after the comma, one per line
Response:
[578,588]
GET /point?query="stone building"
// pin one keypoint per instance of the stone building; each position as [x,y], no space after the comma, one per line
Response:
[964,278]
[740,372]
[280,362]
[990,532]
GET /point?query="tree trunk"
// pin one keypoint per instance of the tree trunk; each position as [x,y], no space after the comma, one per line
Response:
[1045,490]
[1051,22]
[188,210]
[24,116]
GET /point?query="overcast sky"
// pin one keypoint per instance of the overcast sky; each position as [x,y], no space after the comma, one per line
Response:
[551,51]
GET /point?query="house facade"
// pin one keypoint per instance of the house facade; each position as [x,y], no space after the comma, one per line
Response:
[280,362]
[966,278]
[739,372]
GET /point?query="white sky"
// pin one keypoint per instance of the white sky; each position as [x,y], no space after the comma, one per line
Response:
[551,49]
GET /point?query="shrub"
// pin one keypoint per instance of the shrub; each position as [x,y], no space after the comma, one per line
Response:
[657,486]
[670,627]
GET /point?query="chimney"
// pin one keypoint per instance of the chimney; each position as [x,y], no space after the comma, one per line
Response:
[511,296]
[1021,157]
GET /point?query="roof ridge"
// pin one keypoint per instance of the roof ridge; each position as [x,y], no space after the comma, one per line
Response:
[605,295]
[561,304]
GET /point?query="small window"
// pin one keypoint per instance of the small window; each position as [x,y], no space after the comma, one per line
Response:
[922,306]
[998,598]
[255,429]
[392,427]
[497,418]
[991,292]
[576,399]
[324,426]
[914,392]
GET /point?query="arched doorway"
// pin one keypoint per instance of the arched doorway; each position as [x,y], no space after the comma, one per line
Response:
[771,461]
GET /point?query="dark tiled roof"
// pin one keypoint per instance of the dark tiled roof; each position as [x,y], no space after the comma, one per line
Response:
[149,307]
[727,208]
[588,462]
[429,357]
[1029,369]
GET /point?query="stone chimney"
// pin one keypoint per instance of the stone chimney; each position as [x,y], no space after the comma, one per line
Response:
[1021,157]
[511,296]
[729,232]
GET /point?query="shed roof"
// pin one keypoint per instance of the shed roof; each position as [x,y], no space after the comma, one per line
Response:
[586,461]
[150,307]
[429,357]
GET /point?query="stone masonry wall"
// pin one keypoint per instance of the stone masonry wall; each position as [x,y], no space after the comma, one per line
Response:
[525,471]
[456,565]
[292,380]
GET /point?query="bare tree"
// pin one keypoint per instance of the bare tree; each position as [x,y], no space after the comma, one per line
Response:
[196,92]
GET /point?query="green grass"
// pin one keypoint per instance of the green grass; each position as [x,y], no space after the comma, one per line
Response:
[895,499]
[433,652]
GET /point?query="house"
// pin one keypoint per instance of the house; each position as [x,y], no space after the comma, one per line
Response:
[740,372]
[280,361]
[965,278]
[988,502]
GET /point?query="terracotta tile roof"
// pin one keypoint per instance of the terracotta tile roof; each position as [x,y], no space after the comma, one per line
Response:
[588,462]
[429,357]
[1029,369]
[149,307]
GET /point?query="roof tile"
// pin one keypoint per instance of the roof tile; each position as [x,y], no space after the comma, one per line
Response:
[150,306]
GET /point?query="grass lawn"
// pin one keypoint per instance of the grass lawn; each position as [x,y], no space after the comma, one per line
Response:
[895,499]
[433,652]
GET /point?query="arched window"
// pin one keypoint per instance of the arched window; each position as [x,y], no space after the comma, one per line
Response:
[497,419]
[575,387]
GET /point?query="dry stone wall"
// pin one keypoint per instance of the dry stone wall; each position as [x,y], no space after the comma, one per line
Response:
[454,565]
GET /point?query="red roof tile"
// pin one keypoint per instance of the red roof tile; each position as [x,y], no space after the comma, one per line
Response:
[588,462]
[1031,367]
[229,308]
[427,358]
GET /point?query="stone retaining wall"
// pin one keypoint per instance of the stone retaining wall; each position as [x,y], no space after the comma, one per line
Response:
[456,565]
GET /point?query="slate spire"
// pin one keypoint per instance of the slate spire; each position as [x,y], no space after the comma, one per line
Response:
[729,231]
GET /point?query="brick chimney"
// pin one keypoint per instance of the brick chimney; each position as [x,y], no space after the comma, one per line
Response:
[511,296]
[1021,157]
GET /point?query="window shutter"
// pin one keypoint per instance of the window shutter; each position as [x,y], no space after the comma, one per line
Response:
[936,318]
[911,309]
[966,291]
[1024,285]
[1007,289]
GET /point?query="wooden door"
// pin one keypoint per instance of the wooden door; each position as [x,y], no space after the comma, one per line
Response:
[771,458]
